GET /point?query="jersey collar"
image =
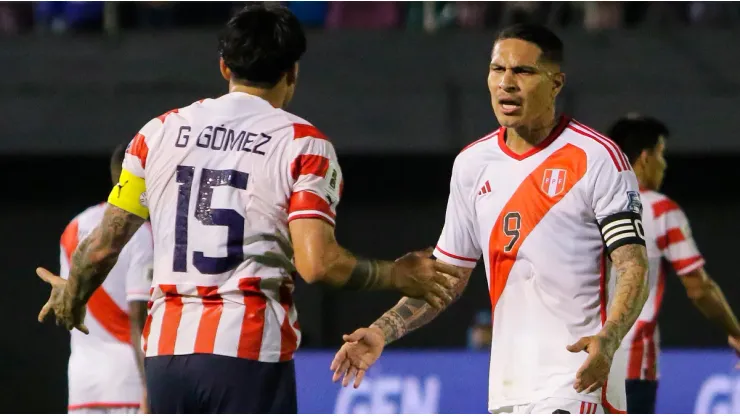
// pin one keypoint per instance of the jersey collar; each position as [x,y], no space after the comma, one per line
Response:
[554,134]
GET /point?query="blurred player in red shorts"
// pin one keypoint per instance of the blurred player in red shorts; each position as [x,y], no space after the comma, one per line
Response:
[106,367]
[668,240]
[242,194]
[545,200]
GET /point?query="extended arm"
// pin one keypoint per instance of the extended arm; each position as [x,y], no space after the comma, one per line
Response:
[411,314]
[319,258]
[709,299]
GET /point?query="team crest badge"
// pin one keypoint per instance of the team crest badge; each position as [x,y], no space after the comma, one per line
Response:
[553,182]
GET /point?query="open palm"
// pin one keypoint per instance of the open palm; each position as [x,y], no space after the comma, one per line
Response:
[360,351]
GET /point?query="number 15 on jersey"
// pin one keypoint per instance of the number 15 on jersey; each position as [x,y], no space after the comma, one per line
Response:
[208,216]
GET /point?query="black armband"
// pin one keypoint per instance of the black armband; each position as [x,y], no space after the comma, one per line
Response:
[620,229]
[365,275]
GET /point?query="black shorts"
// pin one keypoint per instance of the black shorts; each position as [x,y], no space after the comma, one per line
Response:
[206,383]
[641,395]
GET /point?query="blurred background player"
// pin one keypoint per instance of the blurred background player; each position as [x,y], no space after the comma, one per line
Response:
[226,181]
[106,367]
[545,199]
[669,240]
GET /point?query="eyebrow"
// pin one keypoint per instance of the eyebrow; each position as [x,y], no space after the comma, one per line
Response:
[520,67]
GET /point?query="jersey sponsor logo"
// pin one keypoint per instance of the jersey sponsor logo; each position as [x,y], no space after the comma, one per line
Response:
[486,188]
[553,181]
[142,200]
[634,203]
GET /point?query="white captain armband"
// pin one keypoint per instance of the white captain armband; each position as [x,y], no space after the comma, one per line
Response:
[622,228]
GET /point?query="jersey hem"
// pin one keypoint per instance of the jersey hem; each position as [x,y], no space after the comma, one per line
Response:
[251,357]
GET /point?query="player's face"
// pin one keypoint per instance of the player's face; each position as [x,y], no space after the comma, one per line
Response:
[656,165]
[523,88]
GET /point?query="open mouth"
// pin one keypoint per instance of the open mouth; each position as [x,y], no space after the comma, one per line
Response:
[510,105]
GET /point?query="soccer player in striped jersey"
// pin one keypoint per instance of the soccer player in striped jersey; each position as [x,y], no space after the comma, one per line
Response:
[241,194]
[669,242]
[545,200]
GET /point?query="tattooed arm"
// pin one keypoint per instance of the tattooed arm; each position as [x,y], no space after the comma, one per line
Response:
[98,253]
[410,314]
[631,292]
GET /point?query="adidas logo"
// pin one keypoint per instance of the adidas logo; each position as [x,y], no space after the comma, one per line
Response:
[485,189]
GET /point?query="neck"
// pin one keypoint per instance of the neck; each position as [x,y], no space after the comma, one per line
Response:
[521,139]
[274,95]
[640,181]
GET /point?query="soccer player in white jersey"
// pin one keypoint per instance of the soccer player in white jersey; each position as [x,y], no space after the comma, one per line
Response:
[669,241]
[106,367]
[546,201]
[236,188]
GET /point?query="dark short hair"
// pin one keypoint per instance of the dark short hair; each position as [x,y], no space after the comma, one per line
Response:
[548,42]
[119,153]
[634,134]
[261,43]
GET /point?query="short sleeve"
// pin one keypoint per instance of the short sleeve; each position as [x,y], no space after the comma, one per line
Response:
[675,240]
[457,244]
[315,176]
[129,193]
[617,206]
[139,273]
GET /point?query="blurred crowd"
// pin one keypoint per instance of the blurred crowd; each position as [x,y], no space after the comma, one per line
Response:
[98,17]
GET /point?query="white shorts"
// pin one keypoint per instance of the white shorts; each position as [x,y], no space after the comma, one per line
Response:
[553,405]
[130,410]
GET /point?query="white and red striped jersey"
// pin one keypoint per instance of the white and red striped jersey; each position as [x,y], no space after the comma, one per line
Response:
[543,221]
[221,176]
[669,241]
[102,369]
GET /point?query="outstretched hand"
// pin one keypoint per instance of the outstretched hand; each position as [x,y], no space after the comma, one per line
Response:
[67,314]
[360,351]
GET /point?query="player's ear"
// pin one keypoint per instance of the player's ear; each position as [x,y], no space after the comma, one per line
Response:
[225,71]
[643,158]
[558,82]
[291,77]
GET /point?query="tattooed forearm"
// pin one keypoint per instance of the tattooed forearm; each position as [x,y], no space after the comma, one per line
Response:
[369,275]
[410,314]
[630,294]
[97,254]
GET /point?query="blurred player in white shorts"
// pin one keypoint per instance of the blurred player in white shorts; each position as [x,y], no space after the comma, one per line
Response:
[547,202]
[669,241]
[106,366]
